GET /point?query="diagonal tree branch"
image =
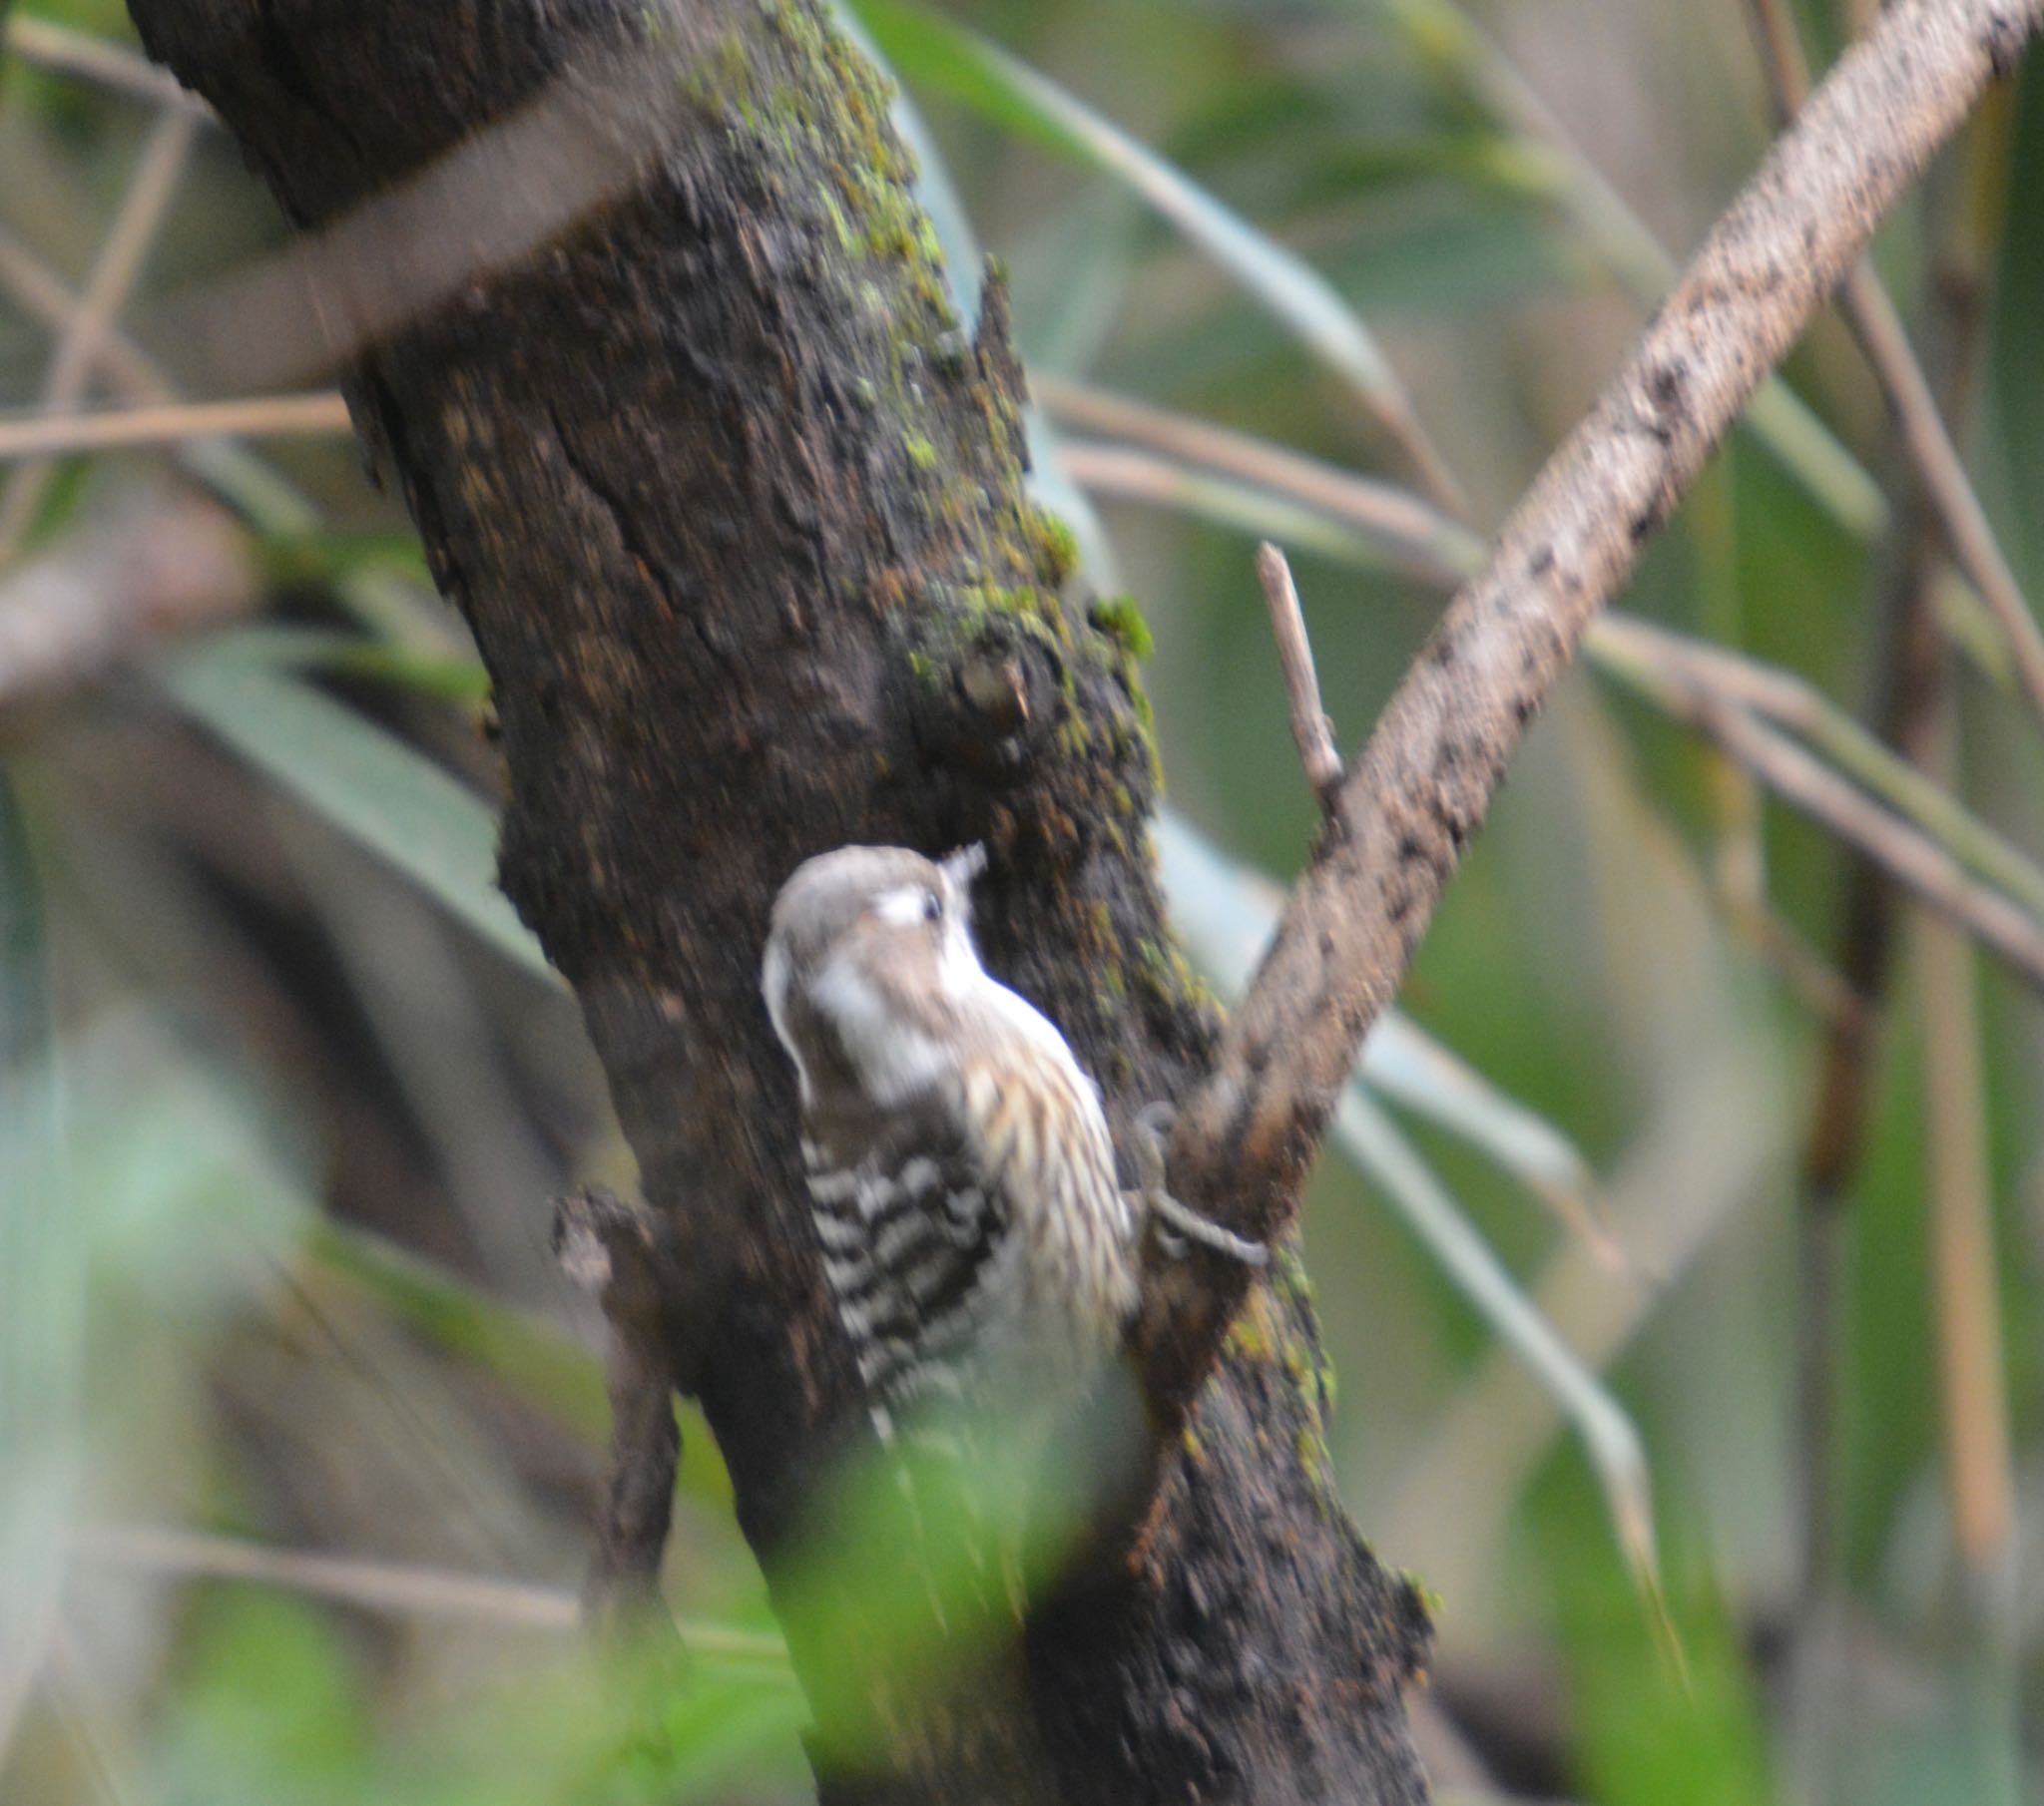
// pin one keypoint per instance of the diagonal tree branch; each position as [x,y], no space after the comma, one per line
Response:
[1885,340]
[1420,788]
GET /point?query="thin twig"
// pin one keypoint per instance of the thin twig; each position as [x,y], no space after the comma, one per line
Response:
[1248,1134]
[113,276]
[1433,540]
[236,475]
[611,1249]
[1907,855]
[403,1588]
[42,295]
[258,417]
[1311,731]
[1885,342]
[1623,646]
[394,1587]
[1480,73]
[1648,657]
[1160,480]
[407,1589]
[61,51]
[1645,657]
[1781,59]
[1967,531]
[242,478]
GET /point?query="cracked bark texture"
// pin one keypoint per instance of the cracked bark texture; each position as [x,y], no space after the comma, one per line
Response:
[736,516]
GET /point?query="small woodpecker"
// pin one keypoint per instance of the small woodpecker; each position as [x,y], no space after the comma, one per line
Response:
[961,1176]
[960,1171]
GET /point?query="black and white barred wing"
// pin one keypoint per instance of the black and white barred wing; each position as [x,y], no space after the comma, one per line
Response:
[916,1248]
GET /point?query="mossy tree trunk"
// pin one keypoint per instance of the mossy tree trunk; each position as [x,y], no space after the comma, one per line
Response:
[737,517]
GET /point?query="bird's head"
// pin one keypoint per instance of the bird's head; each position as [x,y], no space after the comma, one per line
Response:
[868,959]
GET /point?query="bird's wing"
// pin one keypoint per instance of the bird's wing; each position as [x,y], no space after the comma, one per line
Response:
[916,1242]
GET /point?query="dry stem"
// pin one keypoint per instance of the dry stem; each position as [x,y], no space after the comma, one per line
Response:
[119,263]
[171,423]
[1311,731]
[1885,342]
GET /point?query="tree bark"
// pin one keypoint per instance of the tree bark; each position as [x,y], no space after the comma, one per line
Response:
[737,515]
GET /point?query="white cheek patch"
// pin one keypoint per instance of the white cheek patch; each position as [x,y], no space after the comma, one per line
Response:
[895,1059]
[901,907]
[958,967]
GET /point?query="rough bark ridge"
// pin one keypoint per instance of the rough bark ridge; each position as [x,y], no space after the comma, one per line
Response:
[736,516]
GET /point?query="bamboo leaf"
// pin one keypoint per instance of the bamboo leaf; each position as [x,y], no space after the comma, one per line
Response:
[1609,1439]
[364,781]
[997,85]
[1226,914]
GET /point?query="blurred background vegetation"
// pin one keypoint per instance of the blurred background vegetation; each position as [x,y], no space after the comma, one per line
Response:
[1716,1471]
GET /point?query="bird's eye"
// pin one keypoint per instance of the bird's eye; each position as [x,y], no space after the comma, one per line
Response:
[932,906]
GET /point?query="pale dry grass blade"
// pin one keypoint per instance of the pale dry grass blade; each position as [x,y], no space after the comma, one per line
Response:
[126,244]
[319,415]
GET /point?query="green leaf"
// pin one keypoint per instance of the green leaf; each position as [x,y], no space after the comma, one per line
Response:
[447,677]
[1651,1736]
[927,49]
[535,1362]
[370,785]
[270,1707]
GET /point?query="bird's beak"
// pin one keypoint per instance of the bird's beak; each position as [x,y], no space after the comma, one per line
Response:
[961,867]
